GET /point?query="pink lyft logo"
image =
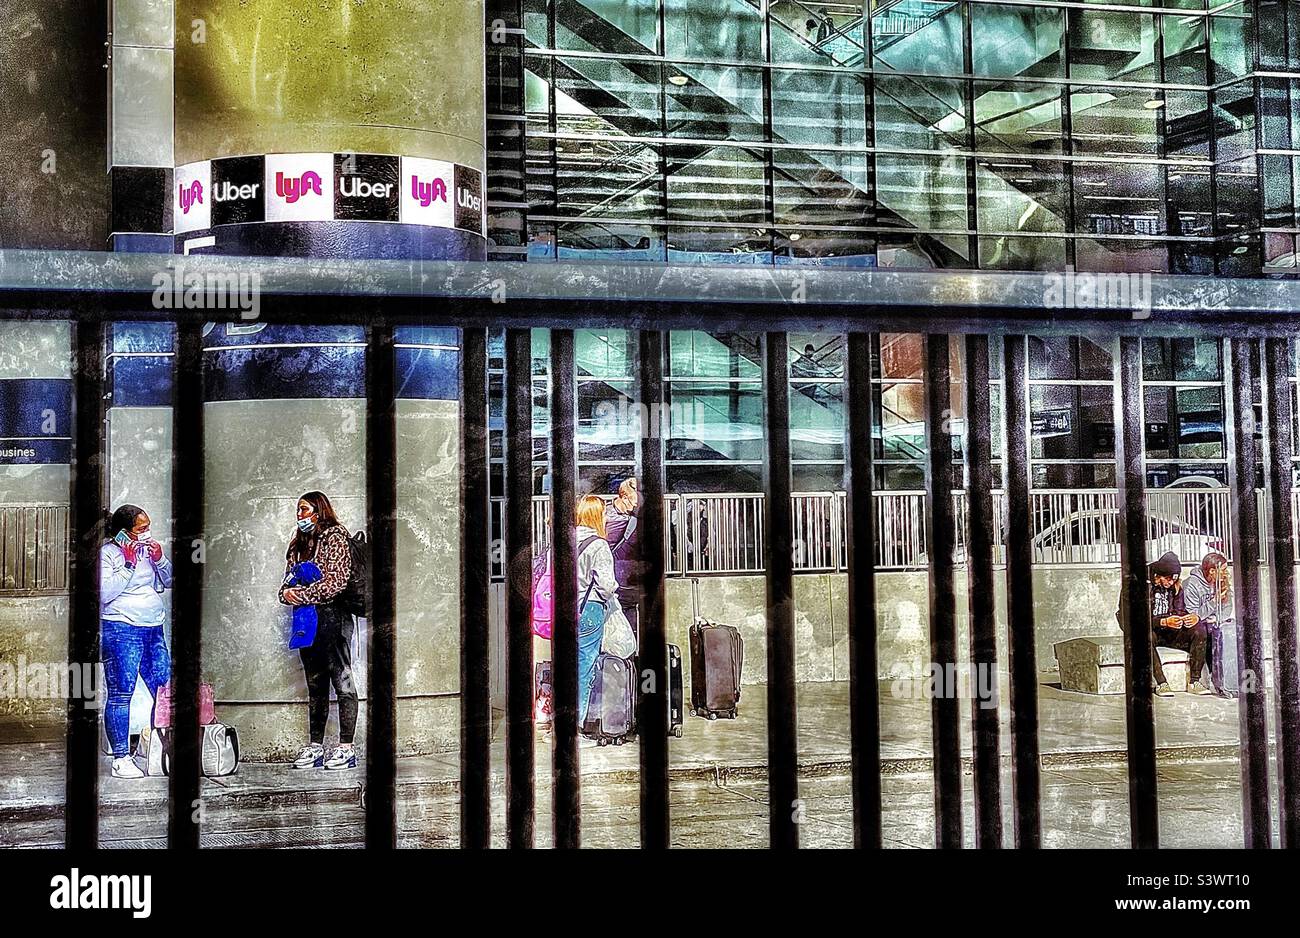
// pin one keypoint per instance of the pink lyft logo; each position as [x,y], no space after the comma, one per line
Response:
[189,195]
[426,192]
[291,190]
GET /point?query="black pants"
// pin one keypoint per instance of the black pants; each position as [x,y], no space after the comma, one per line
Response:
[326,661]
[1194,641]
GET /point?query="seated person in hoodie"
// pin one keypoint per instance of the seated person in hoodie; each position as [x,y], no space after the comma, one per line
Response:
[1208,594]
[1172,626]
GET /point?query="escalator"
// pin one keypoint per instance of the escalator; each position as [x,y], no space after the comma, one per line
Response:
[621,96]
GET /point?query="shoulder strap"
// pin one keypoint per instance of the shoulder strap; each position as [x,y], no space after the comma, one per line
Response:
[628,530]
[591,584]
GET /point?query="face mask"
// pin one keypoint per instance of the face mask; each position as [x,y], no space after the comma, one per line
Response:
[305,525]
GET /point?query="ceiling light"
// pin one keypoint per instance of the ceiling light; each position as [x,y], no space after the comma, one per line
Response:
[1154,104]
[678,80]
[795,236]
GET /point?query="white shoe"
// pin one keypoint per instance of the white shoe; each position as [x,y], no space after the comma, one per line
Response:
[125,767]
[311,757]
[343,757]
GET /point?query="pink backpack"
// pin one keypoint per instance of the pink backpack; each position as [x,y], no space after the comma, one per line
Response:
[543,596]
[162,711]
[543,604]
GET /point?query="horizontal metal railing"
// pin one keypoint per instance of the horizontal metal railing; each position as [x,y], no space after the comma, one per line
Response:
[33,549]
[722,533]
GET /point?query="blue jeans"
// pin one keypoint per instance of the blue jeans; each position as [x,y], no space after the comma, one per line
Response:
[591,632]
[129,651]
[1224,667]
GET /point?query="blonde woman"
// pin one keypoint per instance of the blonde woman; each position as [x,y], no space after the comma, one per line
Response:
[597,593]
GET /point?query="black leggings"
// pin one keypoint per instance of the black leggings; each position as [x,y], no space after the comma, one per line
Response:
[326,661]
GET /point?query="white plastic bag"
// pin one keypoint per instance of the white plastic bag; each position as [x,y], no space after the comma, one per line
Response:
[619,639]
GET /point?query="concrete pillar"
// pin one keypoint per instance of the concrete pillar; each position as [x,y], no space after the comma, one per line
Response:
[284,421]
[139,445]
[331,129]
[35,424]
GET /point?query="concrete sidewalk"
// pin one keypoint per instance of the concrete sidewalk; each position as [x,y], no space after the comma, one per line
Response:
[1076,731]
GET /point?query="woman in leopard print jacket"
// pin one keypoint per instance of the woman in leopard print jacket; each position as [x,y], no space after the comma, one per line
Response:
[327,661]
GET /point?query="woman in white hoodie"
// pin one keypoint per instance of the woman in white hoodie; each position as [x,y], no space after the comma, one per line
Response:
[598,606]
[133,573]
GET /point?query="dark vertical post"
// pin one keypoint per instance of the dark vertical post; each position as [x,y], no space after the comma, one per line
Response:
[652,715]
[1023,666]
[1133,599]
[782,724]
[520,795]
[1281,447]
[475,538]
[860,535]
[981,592]
[1243,469]
[567,806]
[941,542]
[81,809]
[183,829]
[381,519]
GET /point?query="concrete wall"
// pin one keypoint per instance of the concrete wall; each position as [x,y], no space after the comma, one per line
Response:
[428,576]
[1067,601]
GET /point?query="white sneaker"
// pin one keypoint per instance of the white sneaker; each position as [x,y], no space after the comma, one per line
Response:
[343,757]
[125,767]
[311,757]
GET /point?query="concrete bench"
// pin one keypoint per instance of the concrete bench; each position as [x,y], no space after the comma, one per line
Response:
[1095,665]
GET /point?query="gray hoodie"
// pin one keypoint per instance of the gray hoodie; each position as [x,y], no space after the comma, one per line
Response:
[1202,599]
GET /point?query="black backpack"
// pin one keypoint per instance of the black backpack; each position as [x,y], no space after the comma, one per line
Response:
[356,595]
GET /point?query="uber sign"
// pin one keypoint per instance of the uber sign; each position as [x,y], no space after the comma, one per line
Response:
[469,199]
[365,187]
[238,190]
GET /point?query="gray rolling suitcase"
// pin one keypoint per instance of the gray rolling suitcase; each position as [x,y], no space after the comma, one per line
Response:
[611,709]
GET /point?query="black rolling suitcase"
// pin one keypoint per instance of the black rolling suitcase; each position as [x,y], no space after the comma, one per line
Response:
[611,709]
[675,695]
[611,712]
[717,655]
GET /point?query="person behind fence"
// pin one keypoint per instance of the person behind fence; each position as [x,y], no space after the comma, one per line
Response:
[133,574]
[1172,626]
[601,623]
[1208,594]
[321,541]
[621,518]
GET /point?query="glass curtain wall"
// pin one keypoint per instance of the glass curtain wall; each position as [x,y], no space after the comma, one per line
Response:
[903,134]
